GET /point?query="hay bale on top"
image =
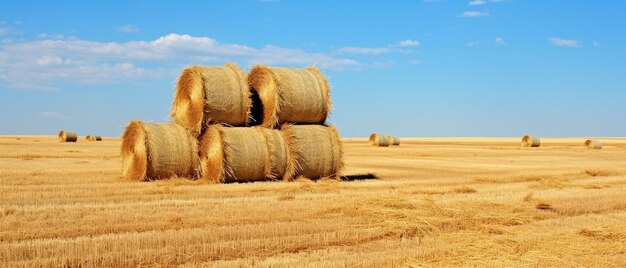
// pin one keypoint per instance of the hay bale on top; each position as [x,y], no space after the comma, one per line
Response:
[242,154]
[158,150]
[211,94]
[290,95]
[530,141]
[593,144]
[315,151]
[379,140]
[68,136]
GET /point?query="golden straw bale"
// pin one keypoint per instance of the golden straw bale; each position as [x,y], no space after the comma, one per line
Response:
[90,138]
[593,144]
[68,136]
[315,151]
[379,140]
[211,94]
[393,140]
[242,154]
[290,95]
[158,150]
[530,141]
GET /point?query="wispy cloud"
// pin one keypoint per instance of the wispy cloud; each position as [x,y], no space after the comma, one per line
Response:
[408,43]
[596,43]
[415,61]
[563,42]
[499,41]
[52,115]
[364,50]
[474,14]
[128,29]
[477,2]
[400,47]
[473,43]
[40,64]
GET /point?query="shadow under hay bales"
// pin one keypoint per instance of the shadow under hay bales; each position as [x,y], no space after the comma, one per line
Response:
[256,111]
[360,177]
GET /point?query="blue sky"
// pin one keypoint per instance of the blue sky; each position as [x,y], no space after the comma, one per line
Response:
[408,68]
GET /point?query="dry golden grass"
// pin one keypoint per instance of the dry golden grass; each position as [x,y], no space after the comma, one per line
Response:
[437,202]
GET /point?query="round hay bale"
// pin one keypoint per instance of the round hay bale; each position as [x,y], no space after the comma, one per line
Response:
[593,144]
[98,138]
[90,138]
[290,95]
[211,94]
[242,154]
[278,153]
[530,141]
[379,140]
[158,150]
[68,136]
[393,140]
[314,151]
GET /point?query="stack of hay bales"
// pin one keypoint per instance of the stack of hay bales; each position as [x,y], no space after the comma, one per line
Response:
[383,140]
[231,128]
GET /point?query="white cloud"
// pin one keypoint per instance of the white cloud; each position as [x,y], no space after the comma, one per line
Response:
[382,50]
[477,2]
[563,42]
[49,60]
[499,41]
[473,14]
[52,115]
[4,30]
[50,36]
[473,43]
[44,63]
[408,43]
[364,50]
[128,29]
[383,64]
[415,61]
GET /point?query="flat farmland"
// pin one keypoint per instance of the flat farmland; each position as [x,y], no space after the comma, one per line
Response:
[430,202]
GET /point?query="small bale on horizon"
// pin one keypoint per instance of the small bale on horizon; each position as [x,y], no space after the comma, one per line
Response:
[380,140]
[68,136]
[531,141]
[593,144]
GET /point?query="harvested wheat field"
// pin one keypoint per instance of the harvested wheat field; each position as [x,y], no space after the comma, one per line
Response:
[436,202]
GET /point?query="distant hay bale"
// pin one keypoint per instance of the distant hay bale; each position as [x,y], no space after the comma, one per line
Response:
[68,136]
[379,140]
[211,94]
[93,138]
[530,141]
[241,154]
[593,144]
[393,140]
[314,151]
[158,150]
[290,95]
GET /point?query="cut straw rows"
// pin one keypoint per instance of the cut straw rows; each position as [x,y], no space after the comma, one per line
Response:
[213,136]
